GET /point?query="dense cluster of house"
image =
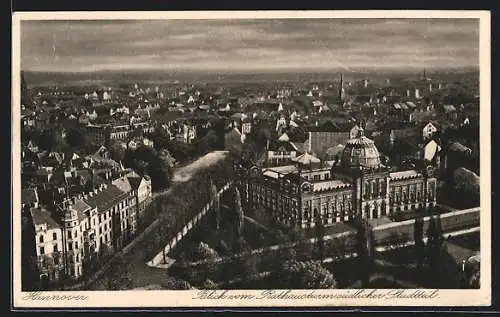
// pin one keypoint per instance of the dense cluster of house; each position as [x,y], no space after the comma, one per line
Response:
[76,209]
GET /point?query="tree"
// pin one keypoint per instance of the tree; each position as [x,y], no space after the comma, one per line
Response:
[419,243]
[117,152]
[76,138]
[240,219]
[466,188]
[475,280]
[209,284]
[305,275]
[173,283]
[212,140]
[364,248]
[435,248]
[51,140]
[403,149]
[320,233]
[213,193]
[119,275]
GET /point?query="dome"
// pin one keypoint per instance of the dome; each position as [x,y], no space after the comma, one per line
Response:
[360,152]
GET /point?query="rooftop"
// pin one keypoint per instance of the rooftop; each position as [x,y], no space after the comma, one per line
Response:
[404,174]
[275,172]
[42,216]
[330,184]
[106,198]
[80,207]
[29,195]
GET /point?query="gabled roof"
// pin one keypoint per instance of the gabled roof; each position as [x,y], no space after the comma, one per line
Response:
[80,207]
[134,179]
[306,159]
[458,147]
[123,184]
[280,146]
[41,216]
[411,104]
[106,198]
[405,132]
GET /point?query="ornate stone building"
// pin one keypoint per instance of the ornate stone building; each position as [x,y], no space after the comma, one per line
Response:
[359,185]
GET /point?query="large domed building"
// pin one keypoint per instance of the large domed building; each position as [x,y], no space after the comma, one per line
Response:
[357,185]
[360,152]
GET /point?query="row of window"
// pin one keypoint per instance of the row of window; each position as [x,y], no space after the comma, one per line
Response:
[318,177]
[54,237]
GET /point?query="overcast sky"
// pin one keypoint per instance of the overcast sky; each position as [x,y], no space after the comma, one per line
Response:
[295,44]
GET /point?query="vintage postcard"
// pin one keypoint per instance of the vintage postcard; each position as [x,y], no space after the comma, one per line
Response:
[257,158]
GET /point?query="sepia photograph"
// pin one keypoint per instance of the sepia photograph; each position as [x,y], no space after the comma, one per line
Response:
[251,159]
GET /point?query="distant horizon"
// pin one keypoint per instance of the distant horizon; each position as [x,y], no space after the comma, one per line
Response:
[248,45]
[366,70]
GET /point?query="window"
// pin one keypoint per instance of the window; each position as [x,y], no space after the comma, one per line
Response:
[70,246]
[69,234]
[54,236]
[41,239]
[55,248]
[76,245]
[56,260]
[42,250]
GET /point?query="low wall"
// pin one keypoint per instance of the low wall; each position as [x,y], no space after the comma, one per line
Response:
[381,233]
[450,221]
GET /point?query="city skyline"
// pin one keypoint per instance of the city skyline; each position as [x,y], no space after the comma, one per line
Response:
[249,45]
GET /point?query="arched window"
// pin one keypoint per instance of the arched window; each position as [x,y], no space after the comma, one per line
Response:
[41,238]
[382,208]
[375,211]
[367,211]
[382,187]
[54,236]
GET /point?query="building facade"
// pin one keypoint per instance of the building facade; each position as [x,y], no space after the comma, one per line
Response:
[358,186]
[87,227]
